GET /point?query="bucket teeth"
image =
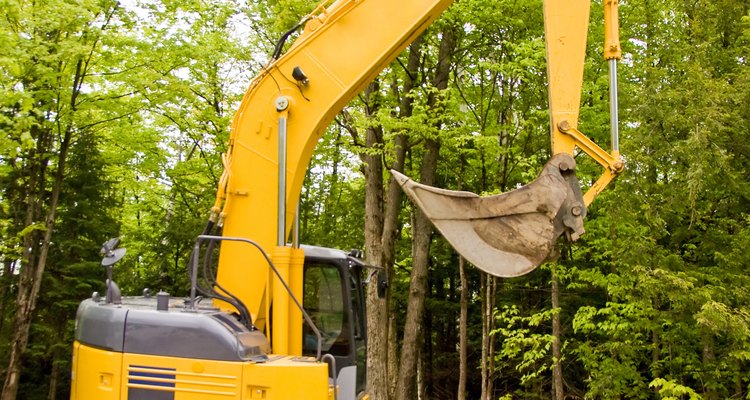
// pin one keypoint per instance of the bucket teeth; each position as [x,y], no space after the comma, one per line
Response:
[512,233]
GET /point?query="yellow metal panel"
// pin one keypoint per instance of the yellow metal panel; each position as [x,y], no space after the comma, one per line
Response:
[102,375]
[296,276]
[282,257]
[566,26]
[74,365]
[612,49]
[347,49]
[96,373]
[188,379]
[284,378]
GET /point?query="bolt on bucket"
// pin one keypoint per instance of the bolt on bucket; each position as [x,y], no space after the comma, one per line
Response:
[512,233]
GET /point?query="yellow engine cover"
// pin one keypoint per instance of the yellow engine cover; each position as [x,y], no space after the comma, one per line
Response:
[103,375]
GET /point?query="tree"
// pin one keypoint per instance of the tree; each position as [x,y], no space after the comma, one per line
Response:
[657,260]
[55,50]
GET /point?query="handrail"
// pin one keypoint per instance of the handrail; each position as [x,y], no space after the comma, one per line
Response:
[332,367]
[308,320]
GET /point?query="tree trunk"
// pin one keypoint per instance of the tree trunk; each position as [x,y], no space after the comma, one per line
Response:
[6,280]
[394,194]
[422,232]
[485,333]
[427,349]
[488,344]
[377,327]
[557,376]
[31,280]
[392,357]
[462,333]
[380,240]
[492,287]
[391,224]
[423,378]
[53,378]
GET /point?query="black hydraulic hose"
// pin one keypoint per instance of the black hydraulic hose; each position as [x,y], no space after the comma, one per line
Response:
[206,231]
[206,291]
[305,315]
[280,43]
[194,260]
[209,278]
[213,284]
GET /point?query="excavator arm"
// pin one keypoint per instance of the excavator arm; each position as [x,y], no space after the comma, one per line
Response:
[291,102]
[285,111]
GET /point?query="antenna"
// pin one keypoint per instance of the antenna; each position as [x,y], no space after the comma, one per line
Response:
[111,256]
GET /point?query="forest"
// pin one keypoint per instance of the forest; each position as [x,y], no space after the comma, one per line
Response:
[114,116]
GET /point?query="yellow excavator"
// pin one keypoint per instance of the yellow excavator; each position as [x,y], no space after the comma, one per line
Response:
[279,320]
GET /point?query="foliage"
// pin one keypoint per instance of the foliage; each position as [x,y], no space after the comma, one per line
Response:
[525,344]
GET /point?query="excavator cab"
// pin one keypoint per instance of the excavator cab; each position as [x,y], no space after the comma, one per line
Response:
[333,297]
[158,346]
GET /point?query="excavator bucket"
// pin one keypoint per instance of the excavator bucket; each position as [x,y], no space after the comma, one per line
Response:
[512,233]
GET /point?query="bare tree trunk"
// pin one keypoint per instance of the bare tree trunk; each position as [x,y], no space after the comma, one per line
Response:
[381,228]
[489,285]
[557,376]
[391,224]
[423,378]
[485,334]
[394,194]
[462,333]
[31,280]
[377,327]
[6,280]
[53,378]
[492,287]
[392,357]
[422,232]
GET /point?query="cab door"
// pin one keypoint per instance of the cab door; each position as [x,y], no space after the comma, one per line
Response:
[333,297]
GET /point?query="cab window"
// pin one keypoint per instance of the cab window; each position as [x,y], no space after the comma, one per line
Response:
[324,302]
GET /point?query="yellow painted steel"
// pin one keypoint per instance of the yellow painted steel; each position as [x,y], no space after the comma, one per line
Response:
[612,162]
[188,379]
[342,48]
[282,257]
[96,374]
[566,28]
[102,375]
[286,379]
[612,49]
[296,271]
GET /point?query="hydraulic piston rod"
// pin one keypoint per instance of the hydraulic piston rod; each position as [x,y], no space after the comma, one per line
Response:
[612,53]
